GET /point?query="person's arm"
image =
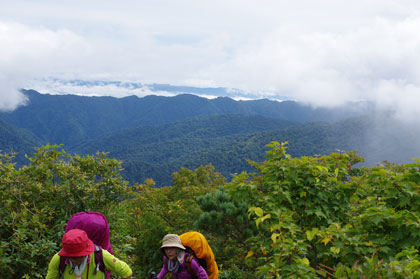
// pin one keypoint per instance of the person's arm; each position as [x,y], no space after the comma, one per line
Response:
[198,270]
[53,268]
[163,271]
[115,265]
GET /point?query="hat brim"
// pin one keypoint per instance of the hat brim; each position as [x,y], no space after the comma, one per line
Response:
[172,245]
[87,251]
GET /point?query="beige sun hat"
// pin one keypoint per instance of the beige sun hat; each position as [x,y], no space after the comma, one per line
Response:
[172,240]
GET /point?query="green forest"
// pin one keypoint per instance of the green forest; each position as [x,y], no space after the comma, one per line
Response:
[323,216]
[156,136]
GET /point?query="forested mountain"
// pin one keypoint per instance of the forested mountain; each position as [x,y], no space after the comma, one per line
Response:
[228,141]
[156,136]
[21,141]
[69,119]
[156,152]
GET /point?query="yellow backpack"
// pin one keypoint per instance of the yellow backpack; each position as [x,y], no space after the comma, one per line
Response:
[197,244]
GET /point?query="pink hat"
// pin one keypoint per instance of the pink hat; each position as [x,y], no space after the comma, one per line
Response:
[76,244]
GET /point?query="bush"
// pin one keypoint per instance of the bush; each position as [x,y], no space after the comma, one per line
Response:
[38,199]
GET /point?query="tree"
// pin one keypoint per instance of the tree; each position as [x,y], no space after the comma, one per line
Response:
[321,217]
[227,221]
[291,201]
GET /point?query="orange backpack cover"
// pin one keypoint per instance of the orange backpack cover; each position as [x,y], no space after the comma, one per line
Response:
[198,243]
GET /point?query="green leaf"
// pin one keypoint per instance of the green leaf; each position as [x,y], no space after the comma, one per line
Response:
[311,234]
[257,211]
[274,237]
[335,250]
[262,219]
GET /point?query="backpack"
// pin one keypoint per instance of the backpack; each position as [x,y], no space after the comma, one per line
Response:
[96,227]
[198,247]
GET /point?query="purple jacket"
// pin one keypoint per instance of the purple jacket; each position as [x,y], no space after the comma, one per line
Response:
[183,272]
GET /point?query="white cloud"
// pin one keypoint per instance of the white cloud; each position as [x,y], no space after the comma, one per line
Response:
[62,87]
[321,52]
[328,69]
[27,53]
[400,97]
[10,97]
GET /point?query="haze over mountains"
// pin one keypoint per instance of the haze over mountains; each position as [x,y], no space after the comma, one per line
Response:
[155,135]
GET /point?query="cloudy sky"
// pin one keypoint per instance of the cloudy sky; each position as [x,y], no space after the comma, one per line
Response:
[323,52]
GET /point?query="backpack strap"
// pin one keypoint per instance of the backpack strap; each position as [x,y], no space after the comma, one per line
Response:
[188,260]
[62,266]
[99,262]
[200,261]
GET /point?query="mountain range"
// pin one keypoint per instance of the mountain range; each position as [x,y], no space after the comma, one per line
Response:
[155,136]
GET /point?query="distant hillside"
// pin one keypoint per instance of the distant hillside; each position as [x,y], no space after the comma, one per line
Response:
[13,139]
[227,142]
[202,128]
[157,150]
[70,119]
[376,137]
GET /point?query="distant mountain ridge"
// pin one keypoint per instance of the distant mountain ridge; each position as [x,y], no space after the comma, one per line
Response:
[155,136]
[158,88]
[68,119]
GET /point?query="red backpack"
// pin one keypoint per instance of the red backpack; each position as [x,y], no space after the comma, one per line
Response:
[96,227]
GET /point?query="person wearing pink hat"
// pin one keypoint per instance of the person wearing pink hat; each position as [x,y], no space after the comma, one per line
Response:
[79,253]
[175,260]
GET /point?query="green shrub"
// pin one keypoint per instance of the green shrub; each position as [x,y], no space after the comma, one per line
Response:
[39,198]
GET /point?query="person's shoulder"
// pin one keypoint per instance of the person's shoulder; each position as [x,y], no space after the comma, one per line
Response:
[53,266]
[189,258]
[105,252]
[55,258]
[107,255]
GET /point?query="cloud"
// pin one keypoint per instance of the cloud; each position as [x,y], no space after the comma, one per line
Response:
[377,63]
[119,90]
[323,53]
[27,52]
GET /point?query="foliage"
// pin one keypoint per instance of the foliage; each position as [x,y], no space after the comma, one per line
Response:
[39,198]
[228,222]
[235,271]
[155,212]
[405,265]
[315,214]
[306,217]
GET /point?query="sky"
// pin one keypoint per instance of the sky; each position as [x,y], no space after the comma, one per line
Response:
[323,53]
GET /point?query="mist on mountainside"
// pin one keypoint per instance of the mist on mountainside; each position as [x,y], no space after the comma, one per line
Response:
[392,139]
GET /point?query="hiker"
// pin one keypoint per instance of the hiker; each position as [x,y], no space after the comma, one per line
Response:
[176,260]
[80,262]
[96,227]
